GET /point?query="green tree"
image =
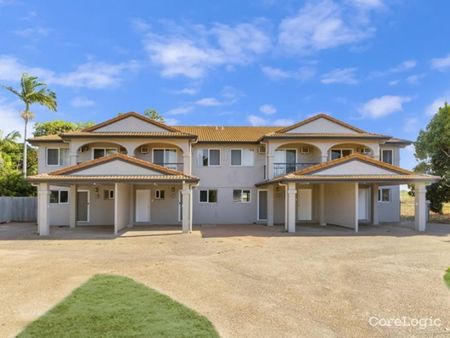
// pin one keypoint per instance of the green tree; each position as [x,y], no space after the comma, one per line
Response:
[433,150]
[153,114]
[57,127]
[32,92]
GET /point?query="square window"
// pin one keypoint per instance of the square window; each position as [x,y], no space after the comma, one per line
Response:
[212,196]
[99,153]
[159,194]
[245,196]
[63,197]
[237,195]
[54,196]
[204,196]
[384,195]
[236,157]
[53,156]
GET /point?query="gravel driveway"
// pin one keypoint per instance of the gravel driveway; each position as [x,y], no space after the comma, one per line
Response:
[249,280]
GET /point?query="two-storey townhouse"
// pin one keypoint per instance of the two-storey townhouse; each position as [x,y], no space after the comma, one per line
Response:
[131,170]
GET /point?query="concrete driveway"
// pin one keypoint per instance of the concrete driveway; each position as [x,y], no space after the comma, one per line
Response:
[249,280]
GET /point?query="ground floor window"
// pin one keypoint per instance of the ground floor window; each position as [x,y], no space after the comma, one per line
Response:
[59,196]
[241,195]
[208,196]
[108,194]
[159,194]
[384,195]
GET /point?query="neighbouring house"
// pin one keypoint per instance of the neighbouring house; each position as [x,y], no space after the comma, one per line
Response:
[131,170]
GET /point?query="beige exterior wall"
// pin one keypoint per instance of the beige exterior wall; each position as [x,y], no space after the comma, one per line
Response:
[341,204]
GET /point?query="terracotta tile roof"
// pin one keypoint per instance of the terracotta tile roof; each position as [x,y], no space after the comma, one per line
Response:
[131,114]
[45,138]
[177,134]
[321,116]
[117,156]
[326,135]
[231,134]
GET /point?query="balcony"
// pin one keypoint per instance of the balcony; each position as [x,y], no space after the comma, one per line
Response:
[280,169]
[172,165]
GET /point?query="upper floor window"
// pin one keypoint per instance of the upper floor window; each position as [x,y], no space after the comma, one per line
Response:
[209,157]
[101,152]
[338,153]
[387,156]
[242,157]
[57,156]
[165,157]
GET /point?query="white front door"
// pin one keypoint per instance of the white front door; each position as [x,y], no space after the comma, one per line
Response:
[143,197]
[362,204]
[304,205]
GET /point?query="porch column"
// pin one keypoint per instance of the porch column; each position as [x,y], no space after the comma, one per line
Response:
[356,213]
[291,207]
[73,158]
[73,205]
[322,204]
[270,206]
[186,218]
[43,201]
[375,218]
[420,218]
[324,157]
[187,164]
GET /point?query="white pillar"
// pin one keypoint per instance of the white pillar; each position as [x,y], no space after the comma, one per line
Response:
[420,207]
[187,164]
[356,206]
[73,205]
[324,157]
[186,219]
[73,158]
[191,207]
[43,201]
[270,205]
[322,204]
[270,169]
[291,207]
[375,218]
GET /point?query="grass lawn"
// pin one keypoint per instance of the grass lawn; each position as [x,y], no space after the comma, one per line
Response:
[447,277]
[114,306]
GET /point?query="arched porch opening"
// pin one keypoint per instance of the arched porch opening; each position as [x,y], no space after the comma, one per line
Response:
[95,150]
[291,157]
[165,154]
[345,149]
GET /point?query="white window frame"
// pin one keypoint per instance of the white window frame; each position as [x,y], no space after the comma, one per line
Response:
[341,149]
[392,155]
[207,196]
[104,149]
[242,194]
[209,158]
[158,194]
[242,157]
[59,157]
[59,196]
[164,150]
[110,194]
[380,195]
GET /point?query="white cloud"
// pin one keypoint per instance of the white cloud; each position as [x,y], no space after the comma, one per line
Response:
[180,110]
[94,75]
[191,51]
[171,121]
[402,67]
[411,124]
[267,109]
[302,74]
[368,4]
[434,106]
[209,102]
[255,120]
[323,25]
[80,102]
[414,79]
[340,75]
[441,63]
[10,117]
[383,106]
[33,33]
[187,91]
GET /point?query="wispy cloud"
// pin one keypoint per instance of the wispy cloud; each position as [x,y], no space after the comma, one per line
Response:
[340,75]
[267,109]
[383,106]
[411,124]
[442,63]
[256,120]
[400,68]
[183,110]
[81,102]
[186,91]
[209,102]
[33,33]
[437,103]
[325,24]
[93,75]
[10,116]
[302,74]
[192,50]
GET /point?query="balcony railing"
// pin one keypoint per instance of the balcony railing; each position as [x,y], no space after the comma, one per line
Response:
[173,166]
[280,169]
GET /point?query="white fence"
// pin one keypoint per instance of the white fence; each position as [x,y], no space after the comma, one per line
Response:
[18,209]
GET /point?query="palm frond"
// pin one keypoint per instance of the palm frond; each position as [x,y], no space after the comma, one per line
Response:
[12,90]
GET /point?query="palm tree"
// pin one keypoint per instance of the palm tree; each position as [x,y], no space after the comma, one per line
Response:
[32,92]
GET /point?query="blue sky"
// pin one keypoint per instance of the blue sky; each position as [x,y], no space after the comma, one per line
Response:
[383,66]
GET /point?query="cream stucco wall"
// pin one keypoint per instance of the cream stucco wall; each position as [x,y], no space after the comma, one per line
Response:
[341,204]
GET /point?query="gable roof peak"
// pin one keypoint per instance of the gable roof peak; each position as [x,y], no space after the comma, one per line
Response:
[127,115]
[321,116]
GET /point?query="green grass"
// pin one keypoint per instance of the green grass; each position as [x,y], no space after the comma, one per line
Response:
[114,306]
[447,277]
